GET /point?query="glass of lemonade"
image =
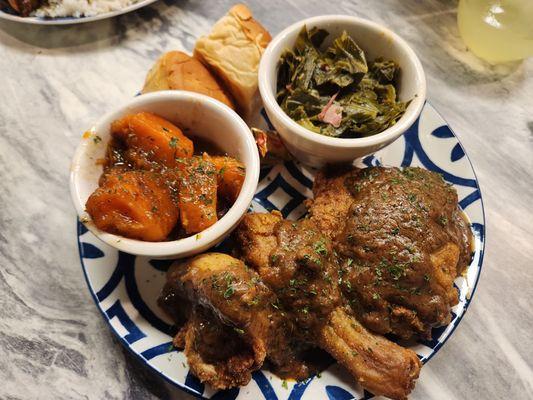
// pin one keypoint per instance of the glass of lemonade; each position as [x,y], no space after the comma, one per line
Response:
[497,30]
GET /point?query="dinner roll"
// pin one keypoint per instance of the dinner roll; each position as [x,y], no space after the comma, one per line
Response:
[232,52]
[176,70]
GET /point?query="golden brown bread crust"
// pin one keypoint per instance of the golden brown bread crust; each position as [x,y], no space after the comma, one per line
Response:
[232,51]
[253,29]
[176,70]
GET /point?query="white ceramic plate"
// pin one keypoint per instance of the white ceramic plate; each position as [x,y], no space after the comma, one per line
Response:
[125,288]
[7,13]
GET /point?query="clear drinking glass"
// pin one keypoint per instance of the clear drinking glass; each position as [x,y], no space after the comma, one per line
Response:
[497,30]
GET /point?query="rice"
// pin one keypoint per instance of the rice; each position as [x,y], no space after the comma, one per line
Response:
[80,8]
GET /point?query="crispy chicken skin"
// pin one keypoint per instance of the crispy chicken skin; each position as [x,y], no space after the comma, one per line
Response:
[228,317]
[331,201]
[401,241]
[215,352]
[379,365]
[230,321]
[296,260]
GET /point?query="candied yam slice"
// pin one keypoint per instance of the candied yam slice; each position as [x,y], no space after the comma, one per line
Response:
[197,197]
[158,138]
[230,176]
[134,204]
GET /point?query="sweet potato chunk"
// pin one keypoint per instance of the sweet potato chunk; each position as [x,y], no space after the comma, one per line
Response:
[134,204]
[230,176]
[156,138]
[197,197]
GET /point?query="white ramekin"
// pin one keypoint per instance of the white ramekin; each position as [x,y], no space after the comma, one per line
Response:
[198,116]
[376,41]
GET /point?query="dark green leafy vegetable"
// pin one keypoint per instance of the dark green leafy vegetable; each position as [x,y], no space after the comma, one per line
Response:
[336,92]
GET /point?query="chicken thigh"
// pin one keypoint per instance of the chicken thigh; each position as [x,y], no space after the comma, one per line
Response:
[230,321]
[298,263]
[401,242]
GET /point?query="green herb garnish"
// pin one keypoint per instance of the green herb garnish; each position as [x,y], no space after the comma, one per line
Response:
[320,248]
[229,292]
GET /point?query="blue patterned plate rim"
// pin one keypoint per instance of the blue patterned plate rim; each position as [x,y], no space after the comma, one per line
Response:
[483,235]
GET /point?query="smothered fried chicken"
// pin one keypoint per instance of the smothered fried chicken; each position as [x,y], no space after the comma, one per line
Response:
[401,242]
[230,322]
[377,254]
[297,261]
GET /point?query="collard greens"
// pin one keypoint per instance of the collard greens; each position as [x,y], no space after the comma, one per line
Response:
[337,92]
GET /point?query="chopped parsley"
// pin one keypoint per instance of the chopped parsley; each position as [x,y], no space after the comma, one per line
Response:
[408,173]
[320,247]
[348,285]
[396,270]
[173,142]
[229,292]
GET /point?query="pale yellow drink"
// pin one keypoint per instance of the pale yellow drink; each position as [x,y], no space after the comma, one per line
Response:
[497,30]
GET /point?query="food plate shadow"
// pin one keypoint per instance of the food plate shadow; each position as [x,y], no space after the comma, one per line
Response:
[90,35]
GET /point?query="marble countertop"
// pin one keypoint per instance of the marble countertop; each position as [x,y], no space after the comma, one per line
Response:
[55,81]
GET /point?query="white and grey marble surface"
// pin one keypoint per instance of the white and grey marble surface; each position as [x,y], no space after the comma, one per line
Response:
[55,81]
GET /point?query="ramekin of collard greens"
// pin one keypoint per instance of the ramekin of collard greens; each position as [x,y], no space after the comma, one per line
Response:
[336,91]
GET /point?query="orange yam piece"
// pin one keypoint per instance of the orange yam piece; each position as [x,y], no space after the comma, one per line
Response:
[197,197]
[134,204]
[230,176]
[161,140]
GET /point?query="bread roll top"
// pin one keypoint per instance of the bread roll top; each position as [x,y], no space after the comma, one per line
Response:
[232,51]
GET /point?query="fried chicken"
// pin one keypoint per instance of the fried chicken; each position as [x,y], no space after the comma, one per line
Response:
[377,254]
[227,313]
[297,262]
[230,321]
[401,242]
